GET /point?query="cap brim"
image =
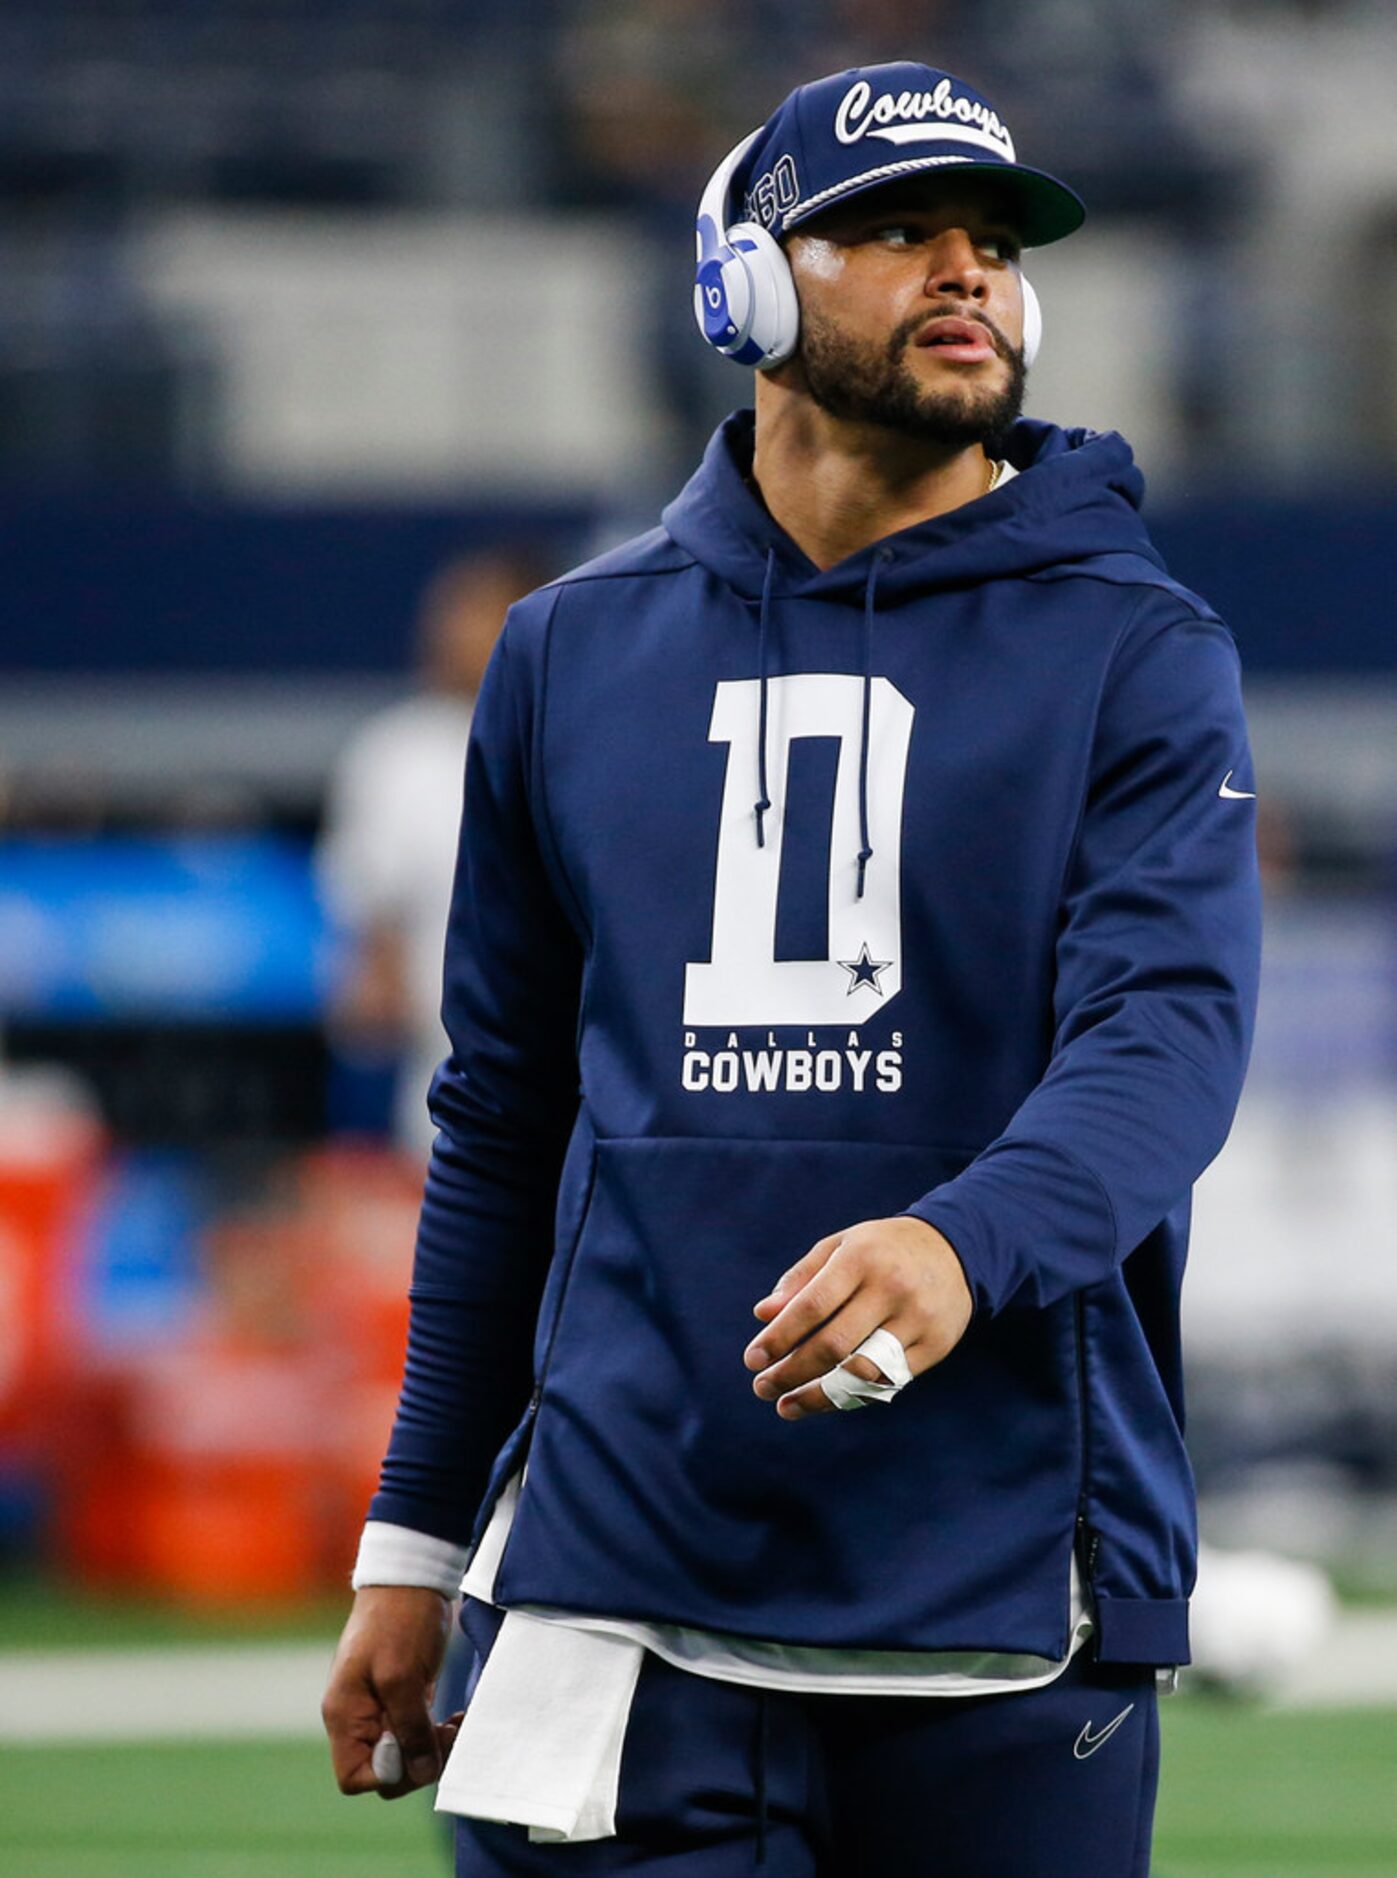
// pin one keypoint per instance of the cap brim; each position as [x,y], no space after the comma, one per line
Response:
[1042,208]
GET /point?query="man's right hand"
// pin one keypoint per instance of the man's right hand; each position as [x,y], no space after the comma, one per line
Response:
[383,1675]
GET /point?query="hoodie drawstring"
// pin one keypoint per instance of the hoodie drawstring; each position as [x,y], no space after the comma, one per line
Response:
[763,802]
[870,591]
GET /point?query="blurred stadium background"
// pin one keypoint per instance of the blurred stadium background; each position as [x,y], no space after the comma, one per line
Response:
[323,321]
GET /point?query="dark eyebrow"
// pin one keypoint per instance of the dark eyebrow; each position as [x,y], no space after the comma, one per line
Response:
[981,226]
[846,220]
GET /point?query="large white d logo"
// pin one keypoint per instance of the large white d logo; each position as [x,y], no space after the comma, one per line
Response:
[743,981]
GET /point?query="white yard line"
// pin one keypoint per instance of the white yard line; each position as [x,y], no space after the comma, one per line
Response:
[265,1691]
[176,1694]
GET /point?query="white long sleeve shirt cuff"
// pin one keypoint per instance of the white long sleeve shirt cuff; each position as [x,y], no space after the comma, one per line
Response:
[399,1555]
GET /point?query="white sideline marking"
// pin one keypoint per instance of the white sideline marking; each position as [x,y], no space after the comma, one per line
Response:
[183,1693]
[265,1691]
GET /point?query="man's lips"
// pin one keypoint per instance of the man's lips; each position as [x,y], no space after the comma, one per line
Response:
[962,341]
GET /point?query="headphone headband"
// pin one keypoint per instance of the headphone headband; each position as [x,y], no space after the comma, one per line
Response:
[713,203]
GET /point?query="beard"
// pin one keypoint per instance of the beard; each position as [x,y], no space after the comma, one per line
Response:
[871,384]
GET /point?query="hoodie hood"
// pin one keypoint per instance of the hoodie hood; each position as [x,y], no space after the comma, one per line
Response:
[1077,496]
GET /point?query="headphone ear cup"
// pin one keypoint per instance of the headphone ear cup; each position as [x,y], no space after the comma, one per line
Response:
[1032,322]
[723,300]
[773,324]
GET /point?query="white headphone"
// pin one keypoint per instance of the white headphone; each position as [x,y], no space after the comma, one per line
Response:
[744,297]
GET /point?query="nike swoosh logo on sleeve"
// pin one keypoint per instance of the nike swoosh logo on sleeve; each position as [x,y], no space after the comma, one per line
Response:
[1235,795]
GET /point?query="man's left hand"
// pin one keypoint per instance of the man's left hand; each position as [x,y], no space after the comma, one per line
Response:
[899,1275]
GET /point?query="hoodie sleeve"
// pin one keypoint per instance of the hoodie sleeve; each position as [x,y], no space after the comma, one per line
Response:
[1157,960]
[504,1102]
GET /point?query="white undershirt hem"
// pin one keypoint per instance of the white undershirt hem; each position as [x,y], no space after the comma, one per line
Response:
[398,1555]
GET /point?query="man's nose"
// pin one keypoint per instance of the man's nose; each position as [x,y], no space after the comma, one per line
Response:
[955,268]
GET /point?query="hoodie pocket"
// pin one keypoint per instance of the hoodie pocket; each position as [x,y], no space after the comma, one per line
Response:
[660,1486]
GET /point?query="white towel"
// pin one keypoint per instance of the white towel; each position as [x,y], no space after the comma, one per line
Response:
[541,1742]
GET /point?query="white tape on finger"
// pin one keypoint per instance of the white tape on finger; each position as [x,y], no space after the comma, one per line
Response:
[848,1391]
[387,1762]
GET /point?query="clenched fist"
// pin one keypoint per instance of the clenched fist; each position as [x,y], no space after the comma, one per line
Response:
[382,1679]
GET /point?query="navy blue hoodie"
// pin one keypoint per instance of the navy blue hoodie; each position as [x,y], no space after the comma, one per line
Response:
[790,898]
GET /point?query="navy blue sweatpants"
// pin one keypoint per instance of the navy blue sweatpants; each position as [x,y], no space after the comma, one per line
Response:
[718,1779]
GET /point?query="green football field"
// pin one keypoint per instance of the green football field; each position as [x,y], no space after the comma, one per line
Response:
[1269,1795]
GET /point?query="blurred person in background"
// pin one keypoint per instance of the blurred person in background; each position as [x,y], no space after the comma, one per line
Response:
[392,819]
[885,815]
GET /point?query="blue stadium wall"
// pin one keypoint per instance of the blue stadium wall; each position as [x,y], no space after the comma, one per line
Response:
[97,585]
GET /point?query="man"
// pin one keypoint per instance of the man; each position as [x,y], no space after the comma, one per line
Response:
[874,842]
[393,812]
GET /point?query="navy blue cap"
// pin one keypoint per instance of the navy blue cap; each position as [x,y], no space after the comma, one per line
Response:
[877,124]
